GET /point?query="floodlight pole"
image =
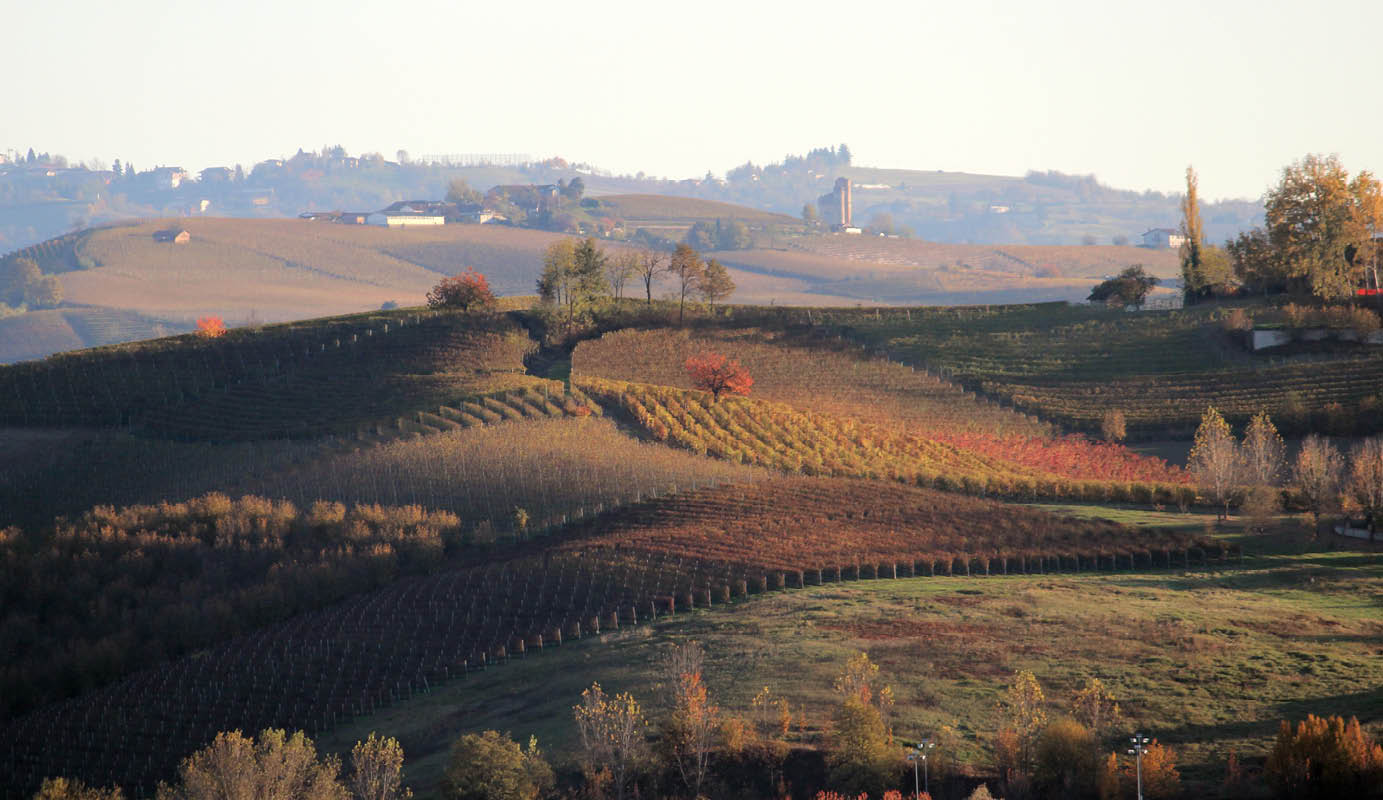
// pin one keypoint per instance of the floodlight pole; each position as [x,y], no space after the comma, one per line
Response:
[1140,746]
[919,753]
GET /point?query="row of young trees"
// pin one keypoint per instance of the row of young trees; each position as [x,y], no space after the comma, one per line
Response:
[1254,469]
[579,274]
[1062,756]
[695,748]
[1319,236]
[691,747]
[275,765]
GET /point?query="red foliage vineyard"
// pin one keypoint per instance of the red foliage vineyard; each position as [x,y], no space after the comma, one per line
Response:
[627,566]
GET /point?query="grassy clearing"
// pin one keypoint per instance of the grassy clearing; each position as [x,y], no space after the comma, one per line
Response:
[1206,660]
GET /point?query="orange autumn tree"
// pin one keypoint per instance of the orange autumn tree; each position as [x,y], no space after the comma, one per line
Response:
[210,327]
[467,290]
[714,373]
[691,732]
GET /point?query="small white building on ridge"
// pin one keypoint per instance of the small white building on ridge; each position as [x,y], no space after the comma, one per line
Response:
[409,213]
[1163,239]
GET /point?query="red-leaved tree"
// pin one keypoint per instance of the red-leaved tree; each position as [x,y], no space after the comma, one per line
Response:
[210,327]
[714,373]
[467,290]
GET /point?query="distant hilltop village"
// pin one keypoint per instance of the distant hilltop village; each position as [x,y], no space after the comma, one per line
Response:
[43,195]
[505,204]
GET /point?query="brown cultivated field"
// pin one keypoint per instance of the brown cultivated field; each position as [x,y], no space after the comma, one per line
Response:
[1052,260]
[636,208]
[908,271]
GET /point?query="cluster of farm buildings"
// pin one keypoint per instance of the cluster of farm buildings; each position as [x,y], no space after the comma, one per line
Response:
[413,213]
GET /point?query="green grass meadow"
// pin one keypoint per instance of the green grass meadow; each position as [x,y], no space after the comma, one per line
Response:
[1208,660]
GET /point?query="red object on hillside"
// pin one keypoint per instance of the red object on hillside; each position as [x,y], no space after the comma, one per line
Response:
[1369,292]
[210,327]
[714,373]
[468,289]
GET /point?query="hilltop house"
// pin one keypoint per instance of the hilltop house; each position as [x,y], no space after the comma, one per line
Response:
[176,236]
[1163,239]
[410,213]
[169,177]
[474,213]
[217,175]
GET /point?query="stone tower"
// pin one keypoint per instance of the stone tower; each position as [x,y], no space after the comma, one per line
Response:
[842,193]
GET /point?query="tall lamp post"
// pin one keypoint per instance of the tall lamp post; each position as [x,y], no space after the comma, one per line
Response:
[919,753]
[1140,746]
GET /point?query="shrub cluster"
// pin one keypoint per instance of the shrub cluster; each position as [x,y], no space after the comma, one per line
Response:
[118,589]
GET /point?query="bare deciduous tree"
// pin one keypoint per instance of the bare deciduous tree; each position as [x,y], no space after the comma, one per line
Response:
[377,770]
[1366,480]
[691,732]
[686,268]
[612,736]
[1263,451]
[651,265]
[1215,459]
[1094,706]
[620,268]
[1316,473]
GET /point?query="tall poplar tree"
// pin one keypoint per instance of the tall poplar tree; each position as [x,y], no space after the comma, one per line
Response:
[1192,272]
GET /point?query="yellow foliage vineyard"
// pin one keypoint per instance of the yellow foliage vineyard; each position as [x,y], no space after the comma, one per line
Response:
[777,436]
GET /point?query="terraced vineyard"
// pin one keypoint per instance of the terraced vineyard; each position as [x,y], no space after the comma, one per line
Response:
[822,375]
[1072,364]
[662,556]
[781,437]
[808,530]
[338,376]
[64,253]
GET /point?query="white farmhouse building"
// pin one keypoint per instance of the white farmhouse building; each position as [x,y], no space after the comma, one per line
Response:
[409,213]
[1163,239]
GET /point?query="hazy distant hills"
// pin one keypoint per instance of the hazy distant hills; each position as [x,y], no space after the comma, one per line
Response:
[42,200]
[120,284]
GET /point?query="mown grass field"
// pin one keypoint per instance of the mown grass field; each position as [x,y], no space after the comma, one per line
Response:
[1206,660]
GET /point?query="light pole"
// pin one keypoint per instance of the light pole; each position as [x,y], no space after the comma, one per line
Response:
[919,753]
[1140,746]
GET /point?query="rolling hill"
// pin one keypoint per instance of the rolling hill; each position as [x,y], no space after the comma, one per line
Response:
[120,284]
[385,521]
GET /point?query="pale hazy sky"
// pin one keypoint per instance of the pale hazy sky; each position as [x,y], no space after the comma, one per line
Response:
[1132,92]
